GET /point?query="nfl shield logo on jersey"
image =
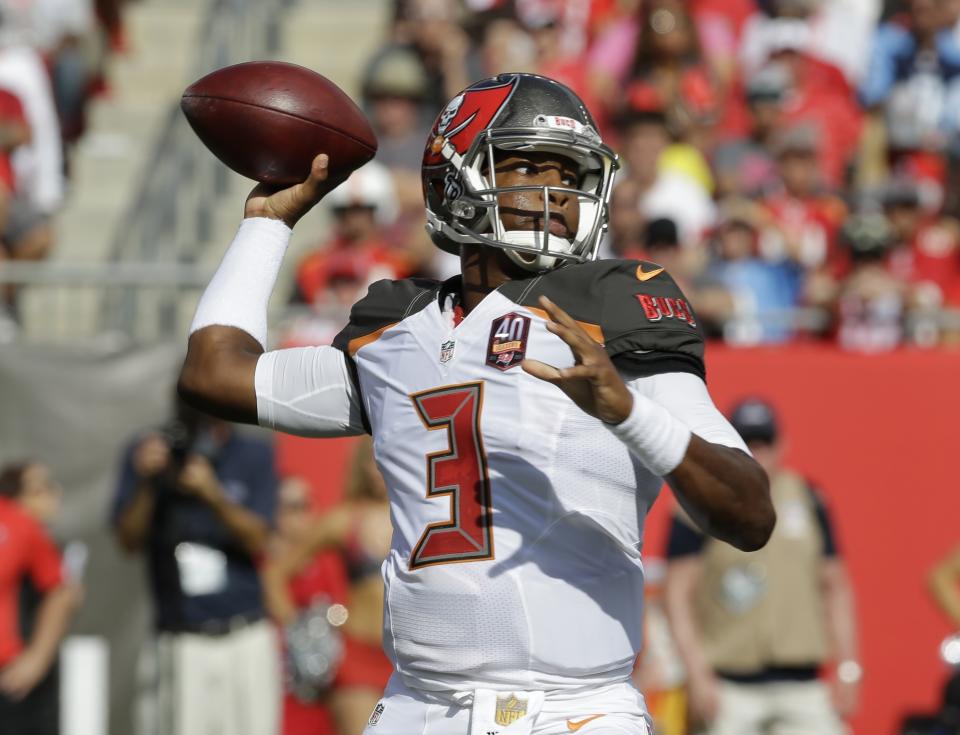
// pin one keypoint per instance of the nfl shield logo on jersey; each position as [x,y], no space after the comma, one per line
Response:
[375,715]
[510,708]
[508,341]
[446,351]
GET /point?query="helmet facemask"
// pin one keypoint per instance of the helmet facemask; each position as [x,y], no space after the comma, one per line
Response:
[471,195]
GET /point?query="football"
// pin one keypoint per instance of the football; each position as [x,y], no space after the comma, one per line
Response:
[268,120]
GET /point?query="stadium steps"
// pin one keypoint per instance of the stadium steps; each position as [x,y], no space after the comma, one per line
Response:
[330,36]
[109,160]
[335,39]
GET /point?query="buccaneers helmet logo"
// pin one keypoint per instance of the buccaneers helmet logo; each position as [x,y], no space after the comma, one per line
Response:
[464,117]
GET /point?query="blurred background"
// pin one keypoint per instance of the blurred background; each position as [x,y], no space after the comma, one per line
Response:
[792,163]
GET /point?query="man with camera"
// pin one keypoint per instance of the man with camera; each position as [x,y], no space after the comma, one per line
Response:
[198,499]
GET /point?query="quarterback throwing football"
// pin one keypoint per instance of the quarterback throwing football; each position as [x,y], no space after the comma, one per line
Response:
[524,415]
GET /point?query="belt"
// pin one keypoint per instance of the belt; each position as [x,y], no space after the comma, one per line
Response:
[217,628]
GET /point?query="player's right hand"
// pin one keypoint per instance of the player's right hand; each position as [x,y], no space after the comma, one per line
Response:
[151,456]
[292,203]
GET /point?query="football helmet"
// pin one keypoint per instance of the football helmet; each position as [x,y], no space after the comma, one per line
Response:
[516,113]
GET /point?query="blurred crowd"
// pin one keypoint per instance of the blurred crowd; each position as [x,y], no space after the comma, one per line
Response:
[791,162]
[53,56]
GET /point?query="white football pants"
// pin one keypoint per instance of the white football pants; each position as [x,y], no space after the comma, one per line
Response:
[617,709]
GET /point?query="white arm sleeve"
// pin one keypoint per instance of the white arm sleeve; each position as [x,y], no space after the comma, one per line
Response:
[308,391]
[685,396]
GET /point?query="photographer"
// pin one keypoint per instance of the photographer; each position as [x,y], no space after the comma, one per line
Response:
[199,499]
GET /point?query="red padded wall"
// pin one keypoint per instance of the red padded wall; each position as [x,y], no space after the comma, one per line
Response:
[879,436]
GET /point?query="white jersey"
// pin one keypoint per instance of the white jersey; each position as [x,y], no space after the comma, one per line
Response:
[518,519]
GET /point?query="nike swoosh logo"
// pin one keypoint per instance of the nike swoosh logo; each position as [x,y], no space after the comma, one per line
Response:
[574,726]
[643,275]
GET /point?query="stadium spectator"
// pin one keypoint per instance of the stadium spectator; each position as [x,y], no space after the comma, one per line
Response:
[819,98]
[801,216]
[912,90]
[574,20]
[835,32]
[554,59]
[661,244]
[18,235]
[506,46]
[741,296]
[665,188]
[39,163]
[624,235]
[361,250]
[720,25]
[37,601]
[359,529]
[199,499]
[926,247]
[394,89]
[871,304]
[433,29]
[668,74]
[745,165]
[754,629]
[63,33]
[322,579]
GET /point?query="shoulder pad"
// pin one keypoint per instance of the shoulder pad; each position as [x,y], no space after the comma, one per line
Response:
[632,306]
[386,303]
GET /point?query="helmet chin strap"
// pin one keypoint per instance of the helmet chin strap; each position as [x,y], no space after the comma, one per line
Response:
[535,262]
[529,258]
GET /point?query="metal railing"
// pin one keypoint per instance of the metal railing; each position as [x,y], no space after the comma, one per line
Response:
[155,259]
[170,220]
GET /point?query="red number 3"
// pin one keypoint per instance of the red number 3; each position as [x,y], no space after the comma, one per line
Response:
[459,471]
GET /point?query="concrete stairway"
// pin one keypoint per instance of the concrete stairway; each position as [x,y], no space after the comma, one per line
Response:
[110,159]
[330,36]
[333,38]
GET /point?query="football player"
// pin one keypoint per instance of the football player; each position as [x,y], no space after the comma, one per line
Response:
[524,415]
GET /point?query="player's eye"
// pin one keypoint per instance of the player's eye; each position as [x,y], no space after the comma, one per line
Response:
[569,179]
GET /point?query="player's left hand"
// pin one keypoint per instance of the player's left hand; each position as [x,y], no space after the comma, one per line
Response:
[593,383]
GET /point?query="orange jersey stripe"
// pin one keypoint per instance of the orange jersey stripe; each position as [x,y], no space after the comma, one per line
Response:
[593,330]
[357,342]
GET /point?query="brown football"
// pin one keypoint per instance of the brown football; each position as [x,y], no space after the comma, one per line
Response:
[268,120]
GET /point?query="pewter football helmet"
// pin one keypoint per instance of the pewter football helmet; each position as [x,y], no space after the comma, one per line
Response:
[514,112]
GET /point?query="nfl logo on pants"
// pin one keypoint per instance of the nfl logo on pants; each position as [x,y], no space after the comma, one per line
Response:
[509,709]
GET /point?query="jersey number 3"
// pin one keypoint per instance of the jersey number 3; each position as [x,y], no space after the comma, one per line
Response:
[459,471]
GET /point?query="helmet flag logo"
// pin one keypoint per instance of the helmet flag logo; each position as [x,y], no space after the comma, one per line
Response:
[465,116]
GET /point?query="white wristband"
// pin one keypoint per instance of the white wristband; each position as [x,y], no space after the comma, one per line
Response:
[238,294]
[654,435]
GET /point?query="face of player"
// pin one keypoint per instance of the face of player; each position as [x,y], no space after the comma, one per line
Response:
[523,210]
[40,495]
